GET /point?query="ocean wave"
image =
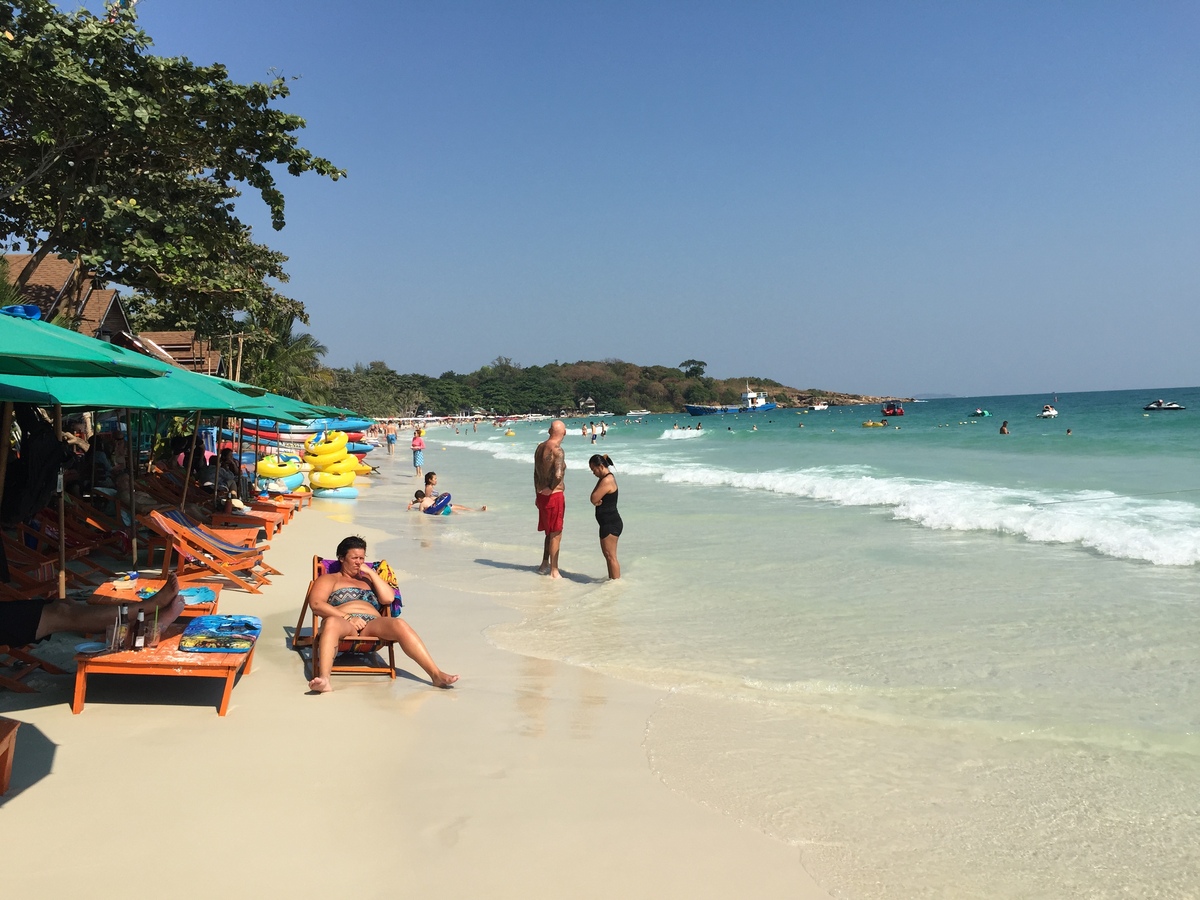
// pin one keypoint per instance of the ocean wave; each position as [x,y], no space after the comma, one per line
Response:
[679,434]
[1162,532]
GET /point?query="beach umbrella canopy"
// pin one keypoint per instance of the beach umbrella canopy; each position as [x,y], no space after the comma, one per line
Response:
[29,347]
[177,390]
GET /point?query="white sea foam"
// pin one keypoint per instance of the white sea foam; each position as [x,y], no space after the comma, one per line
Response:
[679,434]
[1163,532]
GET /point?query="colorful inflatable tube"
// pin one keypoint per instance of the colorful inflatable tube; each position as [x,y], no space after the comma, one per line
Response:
[342,493]
[335,441]
[319,479]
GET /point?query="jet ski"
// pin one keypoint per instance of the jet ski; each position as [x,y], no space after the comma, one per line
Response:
[1158,405]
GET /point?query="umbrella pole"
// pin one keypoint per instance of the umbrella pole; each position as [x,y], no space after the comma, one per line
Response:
[5,446]
[187,475]
[62,514]
[129,468]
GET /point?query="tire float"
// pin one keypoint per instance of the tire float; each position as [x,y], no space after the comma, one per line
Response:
[335,442]
[275,467]
[440,506]
[327,480]
[342,493]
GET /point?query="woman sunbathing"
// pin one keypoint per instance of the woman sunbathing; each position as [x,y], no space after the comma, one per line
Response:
[350,603]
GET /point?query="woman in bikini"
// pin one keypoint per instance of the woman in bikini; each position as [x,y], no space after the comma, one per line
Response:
[350,602]
[604,498]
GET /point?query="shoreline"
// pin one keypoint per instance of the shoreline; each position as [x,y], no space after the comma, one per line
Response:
[529,778]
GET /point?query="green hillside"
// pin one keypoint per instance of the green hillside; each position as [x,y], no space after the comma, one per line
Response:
[507,388]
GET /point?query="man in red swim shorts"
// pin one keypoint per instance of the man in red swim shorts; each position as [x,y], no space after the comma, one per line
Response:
[549,474]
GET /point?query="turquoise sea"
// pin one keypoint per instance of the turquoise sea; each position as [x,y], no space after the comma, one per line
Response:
[941,661]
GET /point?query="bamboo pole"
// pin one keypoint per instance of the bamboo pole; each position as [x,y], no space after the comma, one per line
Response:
[62,513]
[5,446]
[130,469]
[187,475]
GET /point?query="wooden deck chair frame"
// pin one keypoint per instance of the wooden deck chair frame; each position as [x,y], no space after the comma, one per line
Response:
[200,556]
[349,645]
[21,662]
[246,538]
[8,748]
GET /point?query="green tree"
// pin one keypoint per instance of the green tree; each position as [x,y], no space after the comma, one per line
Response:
[9,295]
[133,161]
[693,368]
[285,361]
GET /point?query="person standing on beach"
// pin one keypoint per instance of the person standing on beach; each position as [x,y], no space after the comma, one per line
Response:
[604,498]
[418,449]
[549,474]
[390,431]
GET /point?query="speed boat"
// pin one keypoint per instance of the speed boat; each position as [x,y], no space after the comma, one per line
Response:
[979,414]
[1159,405]
[1048,412]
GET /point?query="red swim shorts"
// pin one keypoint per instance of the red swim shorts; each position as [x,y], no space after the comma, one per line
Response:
[550,511]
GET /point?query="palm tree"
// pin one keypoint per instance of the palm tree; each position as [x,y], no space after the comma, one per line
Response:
[285,361]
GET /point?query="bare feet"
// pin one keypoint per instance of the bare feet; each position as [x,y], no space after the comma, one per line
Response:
[543,568]
[442,680]
[554,573]
[320,685]
[168,601]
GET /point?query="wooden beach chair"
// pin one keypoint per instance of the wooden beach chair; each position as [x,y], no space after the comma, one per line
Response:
[367,647]
[243,538]
[8,747]
[203,556]
[20,663]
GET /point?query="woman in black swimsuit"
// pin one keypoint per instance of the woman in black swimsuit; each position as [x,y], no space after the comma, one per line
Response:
[350,602]
[604,498]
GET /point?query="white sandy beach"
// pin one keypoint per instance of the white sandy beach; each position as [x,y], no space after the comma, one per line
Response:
[529,779]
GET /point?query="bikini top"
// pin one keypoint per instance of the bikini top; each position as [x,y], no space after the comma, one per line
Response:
[341,595]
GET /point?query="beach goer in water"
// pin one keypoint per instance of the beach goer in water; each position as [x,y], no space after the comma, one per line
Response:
[350,602]
[418,450]
[423,502]
[1004,427]
[26,621]
[390,431]
[604,498]
[549,475]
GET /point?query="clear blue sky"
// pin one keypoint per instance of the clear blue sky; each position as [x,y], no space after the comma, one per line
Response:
[885,197]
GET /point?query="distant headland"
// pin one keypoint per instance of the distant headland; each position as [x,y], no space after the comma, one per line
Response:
[580,388]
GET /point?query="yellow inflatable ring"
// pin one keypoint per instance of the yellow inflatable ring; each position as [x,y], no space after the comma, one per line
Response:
[363,469]
[274,467]
[331,480]
[334,441]
[340,466]
[321,462]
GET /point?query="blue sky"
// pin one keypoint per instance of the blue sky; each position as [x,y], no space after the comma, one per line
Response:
[893,197]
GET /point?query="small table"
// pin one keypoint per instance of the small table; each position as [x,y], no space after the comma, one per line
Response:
[110,595]
[165,659]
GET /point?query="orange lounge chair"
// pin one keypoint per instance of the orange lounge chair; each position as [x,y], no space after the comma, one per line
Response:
[368,646]
[8,747]
[203,556]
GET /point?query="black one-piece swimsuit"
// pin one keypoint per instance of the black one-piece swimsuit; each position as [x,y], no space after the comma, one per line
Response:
[607,516]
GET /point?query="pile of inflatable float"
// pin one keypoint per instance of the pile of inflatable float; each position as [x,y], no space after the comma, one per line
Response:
[324,455]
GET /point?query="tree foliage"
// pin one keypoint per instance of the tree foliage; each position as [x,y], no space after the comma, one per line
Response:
[506,388]
[133,161]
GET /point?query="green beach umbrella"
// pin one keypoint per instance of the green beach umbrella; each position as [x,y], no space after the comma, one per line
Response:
[30,347]
[177,391]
